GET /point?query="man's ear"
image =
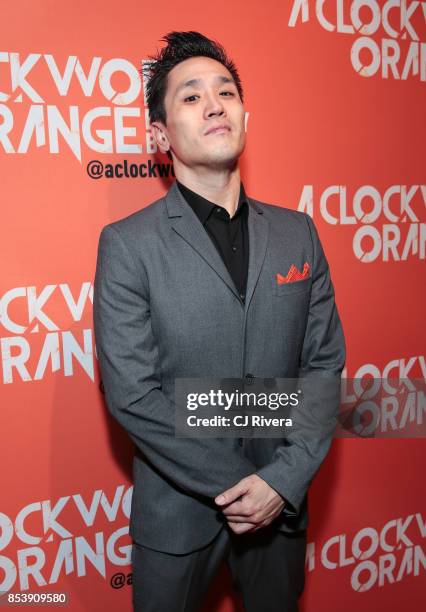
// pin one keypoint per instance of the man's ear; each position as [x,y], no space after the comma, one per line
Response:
[158,131]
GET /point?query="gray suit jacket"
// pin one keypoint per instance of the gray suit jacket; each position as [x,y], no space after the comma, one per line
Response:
[166,307]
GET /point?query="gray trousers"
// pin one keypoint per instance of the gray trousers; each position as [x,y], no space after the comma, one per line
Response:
[267,567]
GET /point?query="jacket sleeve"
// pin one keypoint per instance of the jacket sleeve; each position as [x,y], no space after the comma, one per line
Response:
[295,462]
[128,360]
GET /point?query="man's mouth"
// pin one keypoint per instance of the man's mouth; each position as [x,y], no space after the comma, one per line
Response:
[219,129]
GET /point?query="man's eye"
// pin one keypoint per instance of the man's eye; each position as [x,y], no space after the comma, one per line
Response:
[231,93]
[189,98]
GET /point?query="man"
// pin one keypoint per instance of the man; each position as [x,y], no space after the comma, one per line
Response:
[198,284]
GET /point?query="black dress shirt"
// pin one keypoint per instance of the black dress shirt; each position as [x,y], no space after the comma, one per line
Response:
[228,234]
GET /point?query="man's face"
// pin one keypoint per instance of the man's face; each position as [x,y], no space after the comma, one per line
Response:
[201,96]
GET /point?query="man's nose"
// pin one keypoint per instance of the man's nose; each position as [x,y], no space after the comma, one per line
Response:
[214,106]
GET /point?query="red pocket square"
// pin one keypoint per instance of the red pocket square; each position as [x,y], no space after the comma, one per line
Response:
[293,274]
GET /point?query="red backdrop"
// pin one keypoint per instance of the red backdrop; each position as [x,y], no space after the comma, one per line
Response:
[335,96]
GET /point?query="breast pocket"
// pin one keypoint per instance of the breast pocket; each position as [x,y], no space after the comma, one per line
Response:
[292,288]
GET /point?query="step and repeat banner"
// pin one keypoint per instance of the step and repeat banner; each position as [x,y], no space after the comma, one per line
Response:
[335,99]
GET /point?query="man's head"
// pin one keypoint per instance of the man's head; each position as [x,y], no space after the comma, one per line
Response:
[192,88]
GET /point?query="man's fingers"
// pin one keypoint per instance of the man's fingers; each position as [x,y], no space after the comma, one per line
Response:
[233,493]
[237,518]
[241,527]
[245,527]
[242,511]
[237,508]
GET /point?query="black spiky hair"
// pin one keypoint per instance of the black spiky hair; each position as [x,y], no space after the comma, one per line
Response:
[180,46]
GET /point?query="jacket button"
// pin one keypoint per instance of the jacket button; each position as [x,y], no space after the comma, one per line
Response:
[240,441]
[249,379]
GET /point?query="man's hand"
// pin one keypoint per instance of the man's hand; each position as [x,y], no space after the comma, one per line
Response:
[250,504]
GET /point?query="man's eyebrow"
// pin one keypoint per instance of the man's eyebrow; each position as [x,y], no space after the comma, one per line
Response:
[195,82]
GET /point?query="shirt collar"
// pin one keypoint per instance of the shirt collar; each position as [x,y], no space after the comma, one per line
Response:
[203,207]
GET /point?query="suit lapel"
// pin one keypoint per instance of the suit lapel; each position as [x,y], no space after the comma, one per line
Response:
[186,223]
[258,229]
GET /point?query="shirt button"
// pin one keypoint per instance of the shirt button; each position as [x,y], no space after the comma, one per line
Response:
[218,210]
[234,248]
[242,296]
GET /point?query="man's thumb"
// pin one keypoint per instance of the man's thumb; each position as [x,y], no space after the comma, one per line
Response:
[231,494]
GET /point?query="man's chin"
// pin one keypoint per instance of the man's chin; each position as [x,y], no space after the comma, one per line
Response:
[222,161]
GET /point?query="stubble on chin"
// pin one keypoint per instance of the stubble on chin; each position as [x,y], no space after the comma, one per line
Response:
[225,158]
